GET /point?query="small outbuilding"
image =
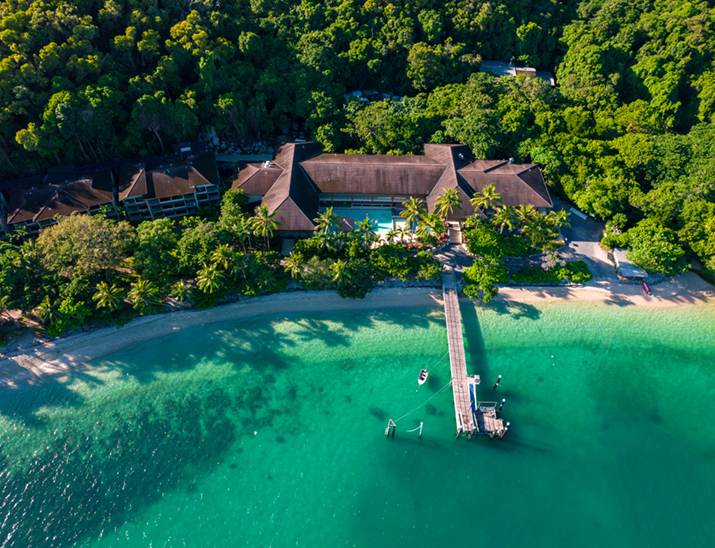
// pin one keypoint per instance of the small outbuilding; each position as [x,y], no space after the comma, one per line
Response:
[625,267]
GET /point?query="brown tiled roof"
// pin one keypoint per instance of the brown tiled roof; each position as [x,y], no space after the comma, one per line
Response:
[254,178]
[299,173]
[293,197]
[61,198]
[168,176]
[518,184]
[368,174]
[453,157]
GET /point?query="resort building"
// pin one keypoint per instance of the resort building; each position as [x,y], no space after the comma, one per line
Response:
[501,68]
[302,181]
[35,202]
[172,186]
[148,187]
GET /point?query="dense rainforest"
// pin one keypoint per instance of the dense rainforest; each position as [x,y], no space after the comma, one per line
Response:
[628,133]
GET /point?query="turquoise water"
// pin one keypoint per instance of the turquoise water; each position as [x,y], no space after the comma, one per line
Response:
[271,433]
[383,217]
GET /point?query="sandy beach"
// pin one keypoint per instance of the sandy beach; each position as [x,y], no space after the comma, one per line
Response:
[18,365]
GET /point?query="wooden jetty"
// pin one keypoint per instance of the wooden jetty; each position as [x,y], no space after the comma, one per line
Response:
[472,416]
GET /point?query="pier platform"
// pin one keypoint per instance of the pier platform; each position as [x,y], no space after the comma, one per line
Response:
[472,417]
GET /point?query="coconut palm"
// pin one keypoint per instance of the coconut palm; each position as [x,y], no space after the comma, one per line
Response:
[402,231]
[391,235]
[365,231]
[222,256]
[488,199]
[558,219]
[414,209]
[538,230]
[209,279]
[294,263]
[430,223]
[525,215]
[338,270]
[505,217]
[447,202]
[180,291]
[108,296]
[241,228]
[263,223]
[5,310]
[143,293]
[47,311]
[327,220]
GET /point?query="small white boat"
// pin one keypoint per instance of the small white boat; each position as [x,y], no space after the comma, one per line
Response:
[423,377]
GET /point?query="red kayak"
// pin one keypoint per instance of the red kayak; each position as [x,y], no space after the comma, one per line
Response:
[646,288]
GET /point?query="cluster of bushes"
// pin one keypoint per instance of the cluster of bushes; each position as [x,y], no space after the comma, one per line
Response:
[486,242]
[576,271]
[354,270]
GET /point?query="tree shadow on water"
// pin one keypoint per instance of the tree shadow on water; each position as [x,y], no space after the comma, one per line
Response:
[516,310]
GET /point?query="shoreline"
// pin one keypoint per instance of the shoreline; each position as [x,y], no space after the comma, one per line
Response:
[58,356]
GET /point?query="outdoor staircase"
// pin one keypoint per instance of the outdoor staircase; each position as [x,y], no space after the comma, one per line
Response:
[455,234]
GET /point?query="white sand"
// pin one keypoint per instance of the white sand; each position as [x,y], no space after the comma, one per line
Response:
[73,351]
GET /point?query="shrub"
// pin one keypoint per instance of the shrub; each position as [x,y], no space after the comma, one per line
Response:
[357,280]
[481,277]
[483,241]
[576,271]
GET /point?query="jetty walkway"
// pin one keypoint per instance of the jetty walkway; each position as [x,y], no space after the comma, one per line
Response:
[472,416]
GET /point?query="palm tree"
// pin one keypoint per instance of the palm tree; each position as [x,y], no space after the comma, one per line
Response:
[559,218]
[180,291]
[209,279]
[143,294]
[538,230]
[324,222]
[365,232]
[222,256]
[294,264]
[414,209]
[108,296]
[526,215]
[487,199]
[504,217]
[391,235]
[447,202]
[430,224]
[5,310]
[263,223]
[47,311]
[338,270]
[241,228]
[402,231]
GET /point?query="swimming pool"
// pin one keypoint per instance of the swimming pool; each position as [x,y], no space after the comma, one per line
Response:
[382,216]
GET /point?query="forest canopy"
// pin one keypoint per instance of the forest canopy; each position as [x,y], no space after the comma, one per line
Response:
[628,133]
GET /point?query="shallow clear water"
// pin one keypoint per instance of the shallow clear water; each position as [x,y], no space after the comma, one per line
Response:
[271,433]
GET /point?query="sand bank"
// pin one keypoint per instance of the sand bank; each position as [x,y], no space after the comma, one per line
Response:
[60,355]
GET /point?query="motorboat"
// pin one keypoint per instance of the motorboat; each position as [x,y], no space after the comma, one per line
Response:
[423,377]
[646,288]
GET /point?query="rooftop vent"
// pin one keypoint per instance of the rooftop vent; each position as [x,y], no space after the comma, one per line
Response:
[511,160]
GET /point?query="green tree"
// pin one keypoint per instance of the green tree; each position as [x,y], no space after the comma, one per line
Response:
[210,279]
[414,209]
[156,250]
[107,296]
[263,223]
[488,199]
[143,294]
[80,244]
[447,202]
[327,221]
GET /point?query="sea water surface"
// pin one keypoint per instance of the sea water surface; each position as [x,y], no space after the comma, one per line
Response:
[270,432]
